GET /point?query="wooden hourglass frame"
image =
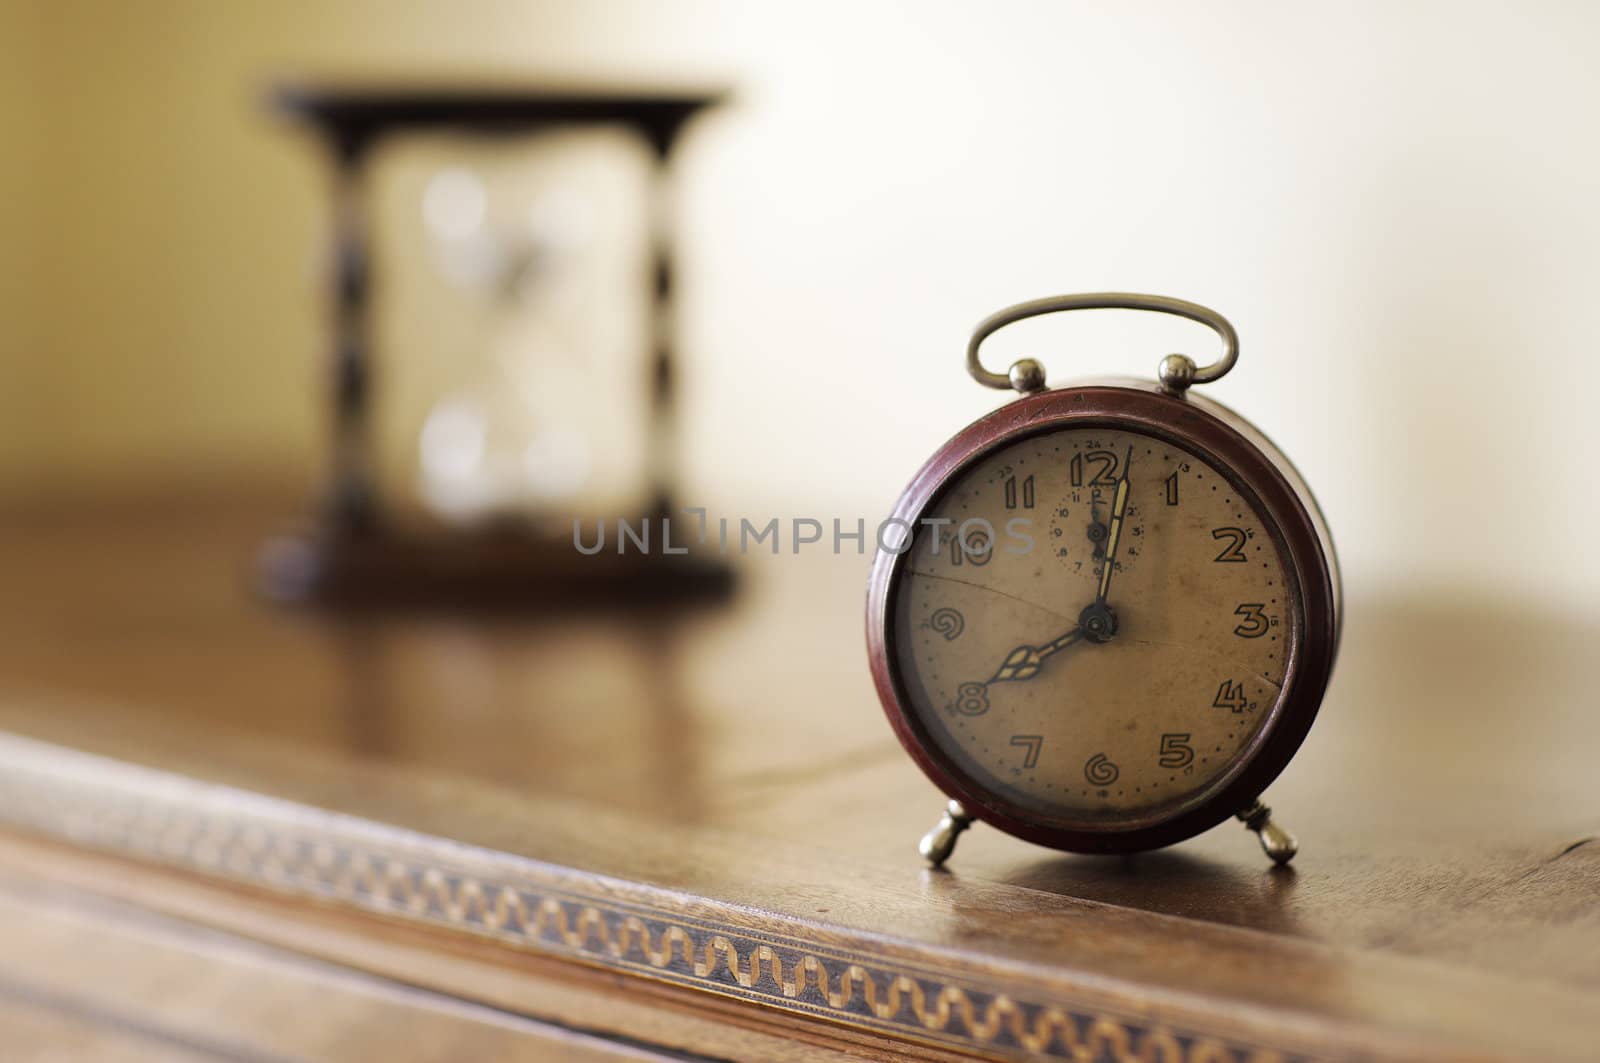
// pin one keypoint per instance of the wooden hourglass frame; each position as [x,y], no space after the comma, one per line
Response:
[352,552]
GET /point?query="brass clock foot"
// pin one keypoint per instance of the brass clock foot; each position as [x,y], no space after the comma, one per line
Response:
[937,845]
[1276,842]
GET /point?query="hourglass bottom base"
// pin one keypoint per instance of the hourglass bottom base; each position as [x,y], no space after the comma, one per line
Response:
[502,569]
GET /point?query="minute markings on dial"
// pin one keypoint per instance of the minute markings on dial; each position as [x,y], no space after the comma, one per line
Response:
[1159,678]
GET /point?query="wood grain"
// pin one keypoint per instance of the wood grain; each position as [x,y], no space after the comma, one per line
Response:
[166,990]
[728,772]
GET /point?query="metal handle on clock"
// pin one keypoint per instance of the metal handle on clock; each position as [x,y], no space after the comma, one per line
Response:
[1177,371]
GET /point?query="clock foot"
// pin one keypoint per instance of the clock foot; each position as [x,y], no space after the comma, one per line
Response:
[937,845]
[1276,842]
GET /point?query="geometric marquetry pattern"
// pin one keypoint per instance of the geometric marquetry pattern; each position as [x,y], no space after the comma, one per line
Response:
[289,848]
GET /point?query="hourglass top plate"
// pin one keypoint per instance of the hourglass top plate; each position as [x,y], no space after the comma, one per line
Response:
[364,111]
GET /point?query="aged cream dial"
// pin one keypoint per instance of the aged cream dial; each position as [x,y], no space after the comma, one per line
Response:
[1096,625]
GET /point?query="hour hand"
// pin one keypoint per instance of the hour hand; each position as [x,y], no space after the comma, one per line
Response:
[1024,662]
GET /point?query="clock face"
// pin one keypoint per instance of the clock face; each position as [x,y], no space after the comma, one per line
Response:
[1094,625]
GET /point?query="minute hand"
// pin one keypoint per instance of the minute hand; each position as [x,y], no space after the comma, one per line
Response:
[1119,508]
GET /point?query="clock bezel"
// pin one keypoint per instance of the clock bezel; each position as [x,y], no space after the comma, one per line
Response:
[1240,452]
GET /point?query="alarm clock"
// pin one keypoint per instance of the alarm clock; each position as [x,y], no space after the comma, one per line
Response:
[1104,616]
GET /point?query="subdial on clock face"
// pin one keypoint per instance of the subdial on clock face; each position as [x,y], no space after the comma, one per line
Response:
[1079,527]
[1120,679]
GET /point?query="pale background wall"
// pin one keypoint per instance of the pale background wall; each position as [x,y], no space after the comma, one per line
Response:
[1395,203]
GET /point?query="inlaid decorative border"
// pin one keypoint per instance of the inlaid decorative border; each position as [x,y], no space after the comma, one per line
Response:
[225,833]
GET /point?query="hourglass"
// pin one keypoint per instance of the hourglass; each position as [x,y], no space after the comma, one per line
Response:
[502,362]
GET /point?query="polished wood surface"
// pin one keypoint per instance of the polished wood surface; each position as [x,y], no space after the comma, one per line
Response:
[728,773]
[82,978]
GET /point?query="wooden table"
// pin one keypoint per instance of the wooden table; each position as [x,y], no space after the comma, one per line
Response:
[235,831]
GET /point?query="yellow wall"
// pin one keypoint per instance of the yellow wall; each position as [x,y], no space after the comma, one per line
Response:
[19,138]
[1394,202]
[162,315]
[160,294]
